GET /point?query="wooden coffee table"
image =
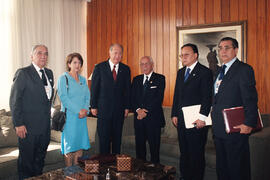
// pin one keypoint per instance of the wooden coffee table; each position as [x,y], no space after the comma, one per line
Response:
[140,170]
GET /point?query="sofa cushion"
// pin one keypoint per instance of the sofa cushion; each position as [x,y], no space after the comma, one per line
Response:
[2,112]
[170,130]
[56,136]
[8,137]
[8,154]
[92,127]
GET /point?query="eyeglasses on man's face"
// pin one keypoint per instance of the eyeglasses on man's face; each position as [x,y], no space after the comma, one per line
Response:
[225,48]
[184,55]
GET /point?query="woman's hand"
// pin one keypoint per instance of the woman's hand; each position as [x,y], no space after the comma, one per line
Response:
[83,113]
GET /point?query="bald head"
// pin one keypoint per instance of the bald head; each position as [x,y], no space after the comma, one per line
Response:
[146,64]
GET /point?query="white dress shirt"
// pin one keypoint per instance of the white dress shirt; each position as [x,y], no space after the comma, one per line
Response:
[218,82]
[48,88]
[191,67]
[112,65]
[149,76]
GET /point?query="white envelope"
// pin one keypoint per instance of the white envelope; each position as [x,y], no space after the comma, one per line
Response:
[191,114]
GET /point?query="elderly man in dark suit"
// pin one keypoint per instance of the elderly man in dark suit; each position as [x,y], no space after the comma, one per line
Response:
[110,95]
[233,87]
[147,97]
[30,104]
[193,87]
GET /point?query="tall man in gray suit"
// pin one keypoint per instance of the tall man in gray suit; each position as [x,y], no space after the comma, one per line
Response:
[30,104]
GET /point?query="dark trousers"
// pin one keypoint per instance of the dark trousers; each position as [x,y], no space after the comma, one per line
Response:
[110,134]
[192,149]
[32,152]
[147,132]
[233,158]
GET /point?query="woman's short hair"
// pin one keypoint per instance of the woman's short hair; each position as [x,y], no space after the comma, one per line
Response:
[70,58]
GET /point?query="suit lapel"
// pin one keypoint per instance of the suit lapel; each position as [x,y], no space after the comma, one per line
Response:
[228,76]
[140,85]
[152,78]
[50,78]
[108,70]
[145,91]
[120,71]
[182,74]
[36,78]
[193,73]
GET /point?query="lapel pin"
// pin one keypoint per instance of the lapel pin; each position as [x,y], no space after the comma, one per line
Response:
[151,82]
[50,80]
[193,74]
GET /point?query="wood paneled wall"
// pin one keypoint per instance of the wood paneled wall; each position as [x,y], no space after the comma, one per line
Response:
[148,27]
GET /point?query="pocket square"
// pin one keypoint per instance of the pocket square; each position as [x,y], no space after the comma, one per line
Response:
[152,87]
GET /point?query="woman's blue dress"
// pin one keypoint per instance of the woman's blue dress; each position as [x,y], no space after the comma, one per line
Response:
[77,97]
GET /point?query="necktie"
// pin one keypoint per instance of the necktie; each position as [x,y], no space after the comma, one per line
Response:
[186,74]
[114,73]
[146,82]
[222,72]
[43,77]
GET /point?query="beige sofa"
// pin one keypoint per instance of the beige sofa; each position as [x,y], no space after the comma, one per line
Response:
[9,150]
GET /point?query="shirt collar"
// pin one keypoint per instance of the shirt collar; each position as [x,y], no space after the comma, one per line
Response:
[191,67]
[111,65]
[149,75]
[37,68]
[229,64]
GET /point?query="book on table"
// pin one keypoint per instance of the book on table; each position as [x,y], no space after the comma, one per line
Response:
[191,114]
[236,116]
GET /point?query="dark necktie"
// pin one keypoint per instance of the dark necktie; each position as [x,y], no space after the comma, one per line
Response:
[114,73]
[186,74]
[43,77]
[146,82]
[222,72]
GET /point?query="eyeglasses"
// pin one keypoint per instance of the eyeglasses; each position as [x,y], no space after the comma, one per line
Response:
[184,55]
[144,64]
[225,48]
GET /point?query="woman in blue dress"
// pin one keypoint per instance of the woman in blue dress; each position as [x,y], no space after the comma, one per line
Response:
[75,98]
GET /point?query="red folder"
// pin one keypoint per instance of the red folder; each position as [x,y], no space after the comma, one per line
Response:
[236,116]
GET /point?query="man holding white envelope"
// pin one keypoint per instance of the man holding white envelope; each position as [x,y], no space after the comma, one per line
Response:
[193,87]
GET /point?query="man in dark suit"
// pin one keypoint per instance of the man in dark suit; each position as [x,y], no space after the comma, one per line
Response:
[30,104]
[147,97]
[233,87]
[110,95]
[193,87]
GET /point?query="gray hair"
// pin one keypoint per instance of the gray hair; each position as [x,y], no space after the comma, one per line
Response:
[36,46]
[116,44]
[149,58]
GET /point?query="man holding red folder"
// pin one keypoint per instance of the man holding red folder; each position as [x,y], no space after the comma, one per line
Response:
[233,87]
